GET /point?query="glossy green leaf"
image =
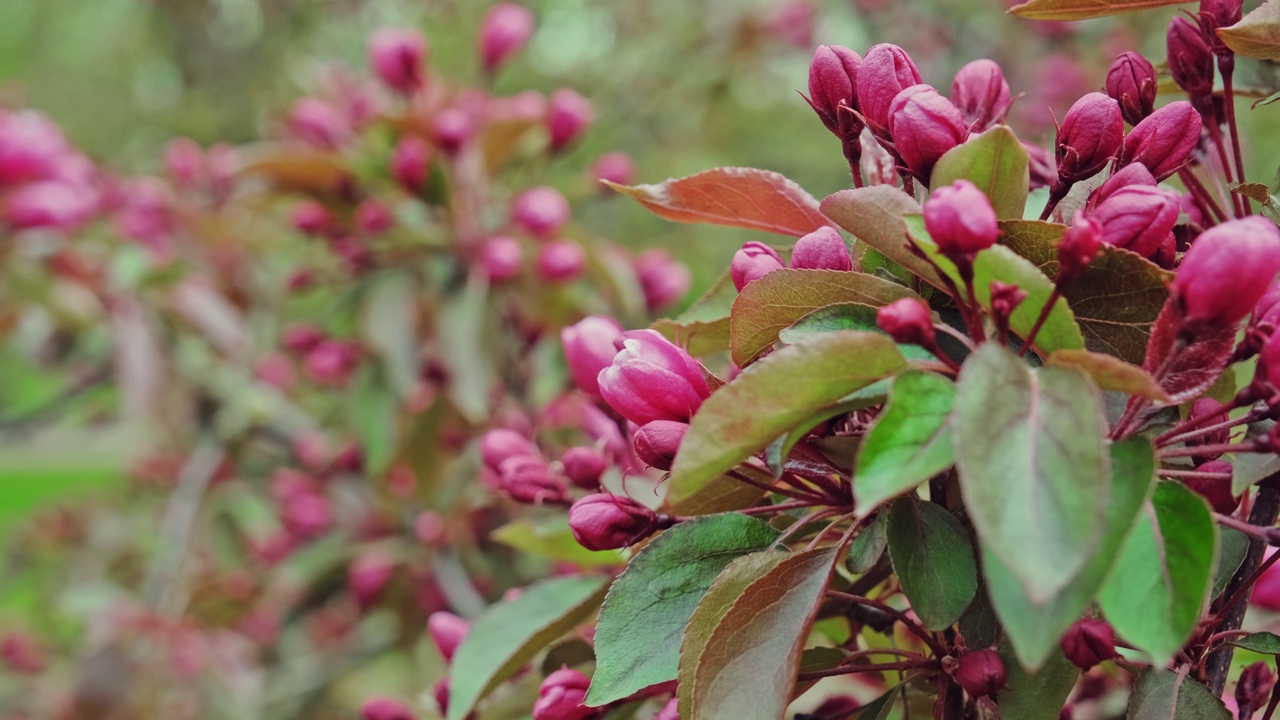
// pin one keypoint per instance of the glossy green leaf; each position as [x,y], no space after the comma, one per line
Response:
[933,558]
[844,316]
[1083,9]
[1232,548]
[747,666]
[506,637]
[1035,696]
[1160,581]
[553,539]
[996,162]
[1257,35]
[703,328]
[1034,629]
[875,217]
[1165,695]
[1034,470]
[1259,642]
[781,390]
[658,591]
[773,303]
[909,443]
[868,547]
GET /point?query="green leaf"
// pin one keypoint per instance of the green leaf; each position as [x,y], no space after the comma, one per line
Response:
[374,410]
[776,301]
[506,637]
[875,217]
[388,323]
[1248,469]
[554,540]
[1110,373]
[1034,470]
[703,328]
[1257,35]
[723,493]
[1034,629]
[880,708]
[1165,695]
[844,316]
[1060,330]
[781,390]
[747,666]
[461,343]
[1035,696]
[1260,642]
[933,557]
[1160,582]
[645,613]
[909,443]
[979,625]
[996,162]
[867,548]
[1232,548]
[1116,300]
[1083,9]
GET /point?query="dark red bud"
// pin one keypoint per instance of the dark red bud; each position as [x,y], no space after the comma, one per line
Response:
[980,673]
[1190,58]
[924,125]
[584,466]
[560,697]
[1088,138]
[1227,270]
[1131,82]
[1040,165]
[1164,140]
[1254,688]
[752,262]
[385,709]
[1216,490]
[1077,249]
[1135,174]
[1137,218]
[907,321]
[529,480]
[447,632]
[960,219]
[822,249]
[981,93]
[1089,642]
[658,442]
[1202,408]
[606,522]
[833,81]
[1005,298]
[884,72]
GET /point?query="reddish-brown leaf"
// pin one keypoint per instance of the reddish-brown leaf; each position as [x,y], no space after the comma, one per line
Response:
[1195,367]
[1083,9]
[294,167]
[1111,373]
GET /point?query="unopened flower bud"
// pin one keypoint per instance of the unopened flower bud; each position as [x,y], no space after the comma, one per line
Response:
[961,221]
[528,479]
[1227,270]
[753,261]
[381,708]
[981,93]
[663,279]
[501,444]
[568,115]
[447,632]
[52,204]
[907,321]
[318,123]
[373,217]
[615,167]
[504,32]
[1077,248]
[1135,174]
[306,514]
[606,522]
[331,362]
[560,261]
[1089,642]
[1164,140]
[184,161]
[658,442]
[1202,408]
[396,55]
[452,128]
[584,466]
[883,73]
[368,575]
[21,653]
[670,711]
[409,163]
[540,211]
[1040,166]
[980,673]
[653,379]
[1190,58]
[441,694]
[1254,688]
[275,369]
[302,338]
[1215,14]
[1216,490]
[822,249]
[1137,218]
[560,697]
[1005,298]
[1088,138]
[30,147]
[311,217]
[924,126]
[1131,82]
[589,347]
[500,258]
[833,82]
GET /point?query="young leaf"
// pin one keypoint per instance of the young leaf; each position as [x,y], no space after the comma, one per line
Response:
[553,539]
[844,316]
[874,216]
[1039,695]
[1257,35]
[1197,366]
[723,493]
[933,557]
[1232,548]
[777,300]
[461,343]
[511,633]
[781,390]
[1160,581]
[737,197]
[996,162]
[1161,695]
[703,328]
[867,548]
[747,666]
[1083,9]
[909,443]
[1110,373]
[1034,470]
[1033,629]
[1260,642]
[644,615]
[388,323]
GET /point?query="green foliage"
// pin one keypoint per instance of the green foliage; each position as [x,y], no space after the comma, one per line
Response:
[933,559]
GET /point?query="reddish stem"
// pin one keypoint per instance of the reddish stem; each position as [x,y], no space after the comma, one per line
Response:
[1227,67]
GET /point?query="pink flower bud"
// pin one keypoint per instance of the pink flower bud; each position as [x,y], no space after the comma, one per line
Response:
[1190,58]
[275,370]
[453,127]
[1254,687]
[51,204]
[584,466]
[430,529]
[560,697]
[960,220]
[589,347]
[22,653]
[441,693]
[1224,13]
[368,574]
[409,163]
[380,708]
[907,321]
[833,82]
[500,444]
[1005,298]
[306,515]
[1199,410]
[1135,174]
[1089,137]
[561,261]
[653,379]
[605,521]
[1227,270]
[1078,247]
[302,338]
[184,161]
[318,123]
[1164,140]
[331,362]
[396,55]
[1040,166]
[350,459]
[540,211]
[822,249]
[500,258]
[1137,218]
[30,147]
[311,217]
[312,450]
[447,632]
[1215,490]
[752,262]
[924,126]
[981,93]
[1264,320]
[670,711]
[373,217]
[663,279]
[980,673]
[504,32]
[1131,82]
[793,22]
[1089,642]
[528,479]
[568,116]
[884,72]
[615,167]
[657,442]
